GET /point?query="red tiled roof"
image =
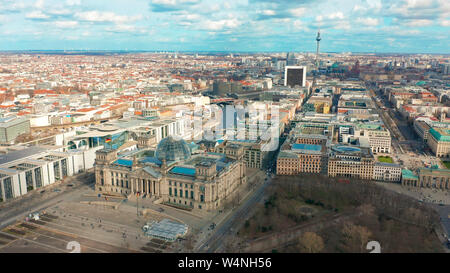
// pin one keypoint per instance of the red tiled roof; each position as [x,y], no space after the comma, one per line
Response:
[84,110]
[44,91]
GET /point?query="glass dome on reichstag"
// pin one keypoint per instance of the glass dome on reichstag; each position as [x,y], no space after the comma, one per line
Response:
[171,149]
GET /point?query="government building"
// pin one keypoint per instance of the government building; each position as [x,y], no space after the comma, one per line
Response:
[351,161]
[173,175]
[439,141]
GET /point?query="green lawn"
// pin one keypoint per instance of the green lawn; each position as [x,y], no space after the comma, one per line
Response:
[385,159]
[446,164]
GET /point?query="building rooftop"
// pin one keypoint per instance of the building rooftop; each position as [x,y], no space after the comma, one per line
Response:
[440,134]
[182,171]
[171,149]
[434,171]
[124,162]
[8,122]
[407,174]
[21,154]
[309,147]
[285,154]
[387,164]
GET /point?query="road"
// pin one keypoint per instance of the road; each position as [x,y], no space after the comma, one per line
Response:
[444,213]
[389,123]
[404,138]
[215,242]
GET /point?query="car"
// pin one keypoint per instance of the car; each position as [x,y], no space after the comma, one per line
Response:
[43,191]
[69,185]
[56,190]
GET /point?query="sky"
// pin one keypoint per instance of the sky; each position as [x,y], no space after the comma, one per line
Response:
[402,26]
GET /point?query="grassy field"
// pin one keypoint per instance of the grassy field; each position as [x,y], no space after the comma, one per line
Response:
[446,164]
[385,159]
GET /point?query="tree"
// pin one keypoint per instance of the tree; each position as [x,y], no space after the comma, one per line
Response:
[310,242]
[355,238]
[25,137]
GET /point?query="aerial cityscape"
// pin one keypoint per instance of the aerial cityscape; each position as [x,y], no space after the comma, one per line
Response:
[258,126]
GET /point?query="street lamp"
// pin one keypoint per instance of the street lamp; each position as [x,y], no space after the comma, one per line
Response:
[137,205]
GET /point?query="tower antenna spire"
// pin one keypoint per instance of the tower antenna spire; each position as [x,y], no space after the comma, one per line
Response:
[317,56]
[318,38]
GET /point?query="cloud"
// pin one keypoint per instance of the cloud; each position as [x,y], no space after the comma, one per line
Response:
[342,25]
[128,29]
[221,24]
[255,24]
[73,2]
[299,25]
[417,9]
[65,24]
[368,6]
[39,4]
[335,20]
[368,21]
[336,15]
[297,11]
[59,12]
[105,17]
[11,6]
[269,14]
[445,23]
[418,23]
[171,5]
[37,15]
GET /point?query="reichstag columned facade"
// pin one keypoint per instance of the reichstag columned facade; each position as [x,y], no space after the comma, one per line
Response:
[173,175]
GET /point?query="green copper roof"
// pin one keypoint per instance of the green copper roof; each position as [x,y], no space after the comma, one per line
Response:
[438,136]
[369,126]
[407,174]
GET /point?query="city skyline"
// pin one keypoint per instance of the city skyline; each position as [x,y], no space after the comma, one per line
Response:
[226,26]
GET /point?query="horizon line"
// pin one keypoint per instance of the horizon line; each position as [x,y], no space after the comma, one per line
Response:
[208,51]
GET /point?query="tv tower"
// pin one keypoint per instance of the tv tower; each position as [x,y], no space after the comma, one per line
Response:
[317,52]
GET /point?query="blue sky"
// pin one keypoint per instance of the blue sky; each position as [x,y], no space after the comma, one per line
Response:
[408,26]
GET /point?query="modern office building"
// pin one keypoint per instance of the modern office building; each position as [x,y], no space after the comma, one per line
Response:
[295,76]
[12,127]
[34,167]
[222,88]
[378,136]
[373,134]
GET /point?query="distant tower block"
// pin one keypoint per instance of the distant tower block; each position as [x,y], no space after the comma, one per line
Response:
[295,76]
[317,51]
